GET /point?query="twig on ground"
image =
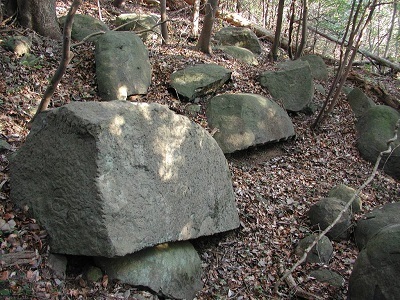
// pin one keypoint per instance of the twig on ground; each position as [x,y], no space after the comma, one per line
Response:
[345,208]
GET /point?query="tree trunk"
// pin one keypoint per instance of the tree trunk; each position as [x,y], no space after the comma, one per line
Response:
[119,3]
[164,25]
[391,28]
[303,40]
[205,36]
[65,59]
[196,15]
[239,6]
[264,15]
[40,16]
[358,27]
[291,23]
[277,40]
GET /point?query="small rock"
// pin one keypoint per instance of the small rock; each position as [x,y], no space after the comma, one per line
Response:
[320,253]
[58,263]
[193,109]
[359,102]
[324,212]
[4,146]
[328,276]
[170,270]
[93,274]
[20,45]
[345,193]
[5,227]
[11,223]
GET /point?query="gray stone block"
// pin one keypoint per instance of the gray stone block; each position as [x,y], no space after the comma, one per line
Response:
[111,178]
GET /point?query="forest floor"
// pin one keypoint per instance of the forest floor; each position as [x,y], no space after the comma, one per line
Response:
[274,185]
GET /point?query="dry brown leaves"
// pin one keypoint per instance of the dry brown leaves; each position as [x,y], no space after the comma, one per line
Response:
[274,184]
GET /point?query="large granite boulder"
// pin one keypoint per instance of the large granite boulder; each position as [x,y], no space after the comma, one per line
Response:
[359,102]
[241,54]
[122,65]
[111,178]
[238,36]
[85,25]
[377,268]
[324,212]
[199,80]
[373,222]
[170,270]
[143,24]
[245,120]
[293,87]
[375,128]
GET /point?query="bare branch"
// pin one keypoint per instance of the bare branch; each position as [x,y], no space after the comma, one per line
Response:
[345,208]
[65,59]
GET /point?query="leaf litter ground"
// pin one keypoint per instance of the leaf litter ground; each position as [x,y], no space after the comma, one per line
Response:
[274,184]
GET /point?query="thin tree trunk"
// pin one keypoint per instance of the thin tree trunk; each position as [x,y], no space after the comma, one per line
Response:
[204,43]
[274,50]
[291,23]
[398,35]
[164,25]
[343,57]
[358,28]
[392,21]
[196,16]
[304,22]
[264,15]
[65,59]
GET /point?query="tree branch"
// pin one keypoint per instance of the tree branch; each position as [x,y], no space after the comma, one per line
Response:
[65,59]
[345,208]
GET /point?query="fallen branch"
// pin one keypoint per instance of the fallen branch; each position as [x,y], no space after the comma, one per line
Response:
[379,60]
[261,32]
[378,88]
[298,291]
[18,258]
[87,37]
[388,151]
[65,59]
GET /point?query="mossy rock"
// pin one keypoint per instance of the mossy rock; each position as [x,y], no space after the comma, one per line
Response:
[375,128]
[345,193]
[241,54]
[142,24]
[359,102]
[84,26]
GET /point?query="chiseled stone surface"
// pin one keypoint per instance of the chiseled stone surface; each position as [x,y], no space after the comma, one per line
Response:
[112,178]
